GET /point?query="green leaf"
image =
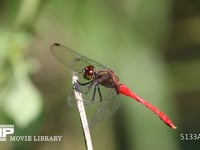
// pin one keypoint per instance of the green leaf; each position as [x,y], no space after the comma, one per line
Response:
[24,103]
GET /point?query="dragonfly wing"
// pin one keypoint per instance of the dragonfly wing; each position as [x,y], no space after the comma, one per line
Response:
[105,110]
[72,59]
[71,101]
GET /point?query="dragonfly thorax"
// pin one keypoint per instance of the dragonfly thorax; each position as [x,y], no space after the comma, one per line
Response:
[89,72]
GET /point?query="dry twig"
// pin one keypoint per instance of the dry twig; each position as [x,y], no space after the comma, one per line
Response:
[81,109]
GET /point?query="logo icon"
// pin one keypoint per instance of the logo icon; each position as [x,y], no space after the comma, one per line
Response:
[5,130]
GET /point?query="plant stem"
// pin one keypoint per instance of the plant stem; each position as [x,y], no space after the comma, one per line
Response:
[81,109]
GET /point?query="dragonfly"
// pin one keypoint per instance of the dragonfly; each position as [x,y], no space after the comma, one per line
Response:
[95,76]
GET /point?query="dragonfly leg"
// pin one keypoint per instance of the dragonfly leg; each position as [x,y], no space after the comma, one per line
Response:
[99,92]
[83,84]
[76,86]
[94,93]
[89,87]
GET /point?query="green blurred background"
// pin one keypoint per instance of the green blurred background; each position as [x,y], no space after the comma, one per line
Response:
[153,46]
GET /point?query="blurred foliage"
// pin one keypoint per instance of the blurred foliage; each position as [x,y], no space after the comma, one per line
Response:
[152,45]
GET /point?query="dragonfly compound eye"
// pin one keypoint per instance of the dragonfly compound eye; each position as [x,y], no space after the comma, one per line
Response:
[88,72]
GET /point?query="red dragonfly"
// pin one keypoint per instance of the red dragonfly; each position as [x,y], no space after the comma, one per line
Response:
[98,76]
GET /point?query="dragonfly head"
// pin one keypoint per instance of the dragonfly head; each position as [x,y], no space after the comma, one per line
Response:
[88,72]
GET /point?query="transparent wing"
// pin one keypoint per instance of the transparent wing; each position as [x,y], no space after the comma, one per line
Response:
[105,109]
[102,109]
[87,97]
[72,59]
[71,101]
